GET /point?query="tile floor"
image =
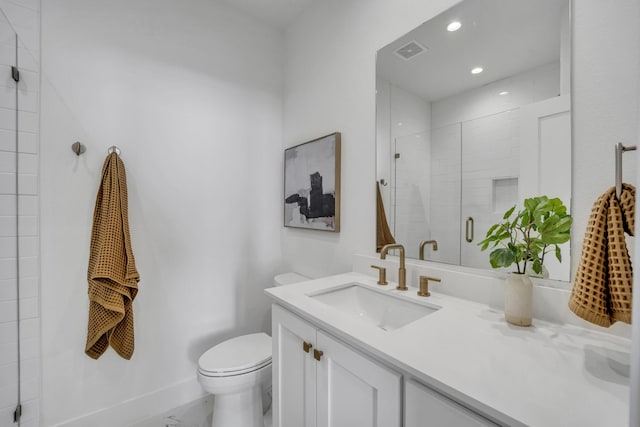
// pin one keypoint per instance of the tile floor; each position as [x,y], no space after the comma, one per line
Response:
[195,414]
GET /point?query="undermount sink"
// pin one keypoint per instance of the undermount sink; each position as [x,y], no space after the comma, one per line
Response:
[381,309]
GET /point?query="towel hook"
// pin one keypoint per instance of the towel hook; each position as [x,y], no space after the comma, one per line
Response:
[78,148]
[114,149]
[619,150]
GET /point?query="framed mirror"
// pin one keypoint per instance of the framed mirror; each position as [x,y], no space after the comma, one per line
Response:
[473,116]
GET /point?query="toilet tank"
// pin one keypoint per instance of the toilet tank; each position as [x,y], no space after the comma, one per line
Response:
[288,279]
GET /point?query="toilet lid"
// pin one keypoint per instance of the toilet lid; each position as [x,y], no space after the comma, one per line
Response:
[237,354]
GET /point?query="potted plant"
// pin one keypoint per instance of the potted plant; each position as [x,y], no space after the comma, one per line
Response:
[524,240]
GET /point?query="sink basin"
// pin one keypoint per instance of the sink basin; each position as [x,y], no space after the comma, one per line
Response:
[381,309]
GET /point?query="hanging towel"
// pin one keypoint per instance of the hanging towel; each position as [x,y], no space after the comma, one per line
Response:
[383,233]
[112,274]
[602,289]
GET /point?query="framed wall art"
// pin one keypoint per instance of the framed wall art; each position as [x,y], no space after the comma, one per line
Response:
[312,184]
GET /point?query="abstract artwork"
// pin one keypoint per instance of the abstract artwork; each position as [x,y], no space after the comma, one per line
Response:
[312,184]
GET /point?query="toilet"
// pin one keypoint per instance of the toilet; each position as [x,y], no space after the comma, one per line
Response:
[237,371]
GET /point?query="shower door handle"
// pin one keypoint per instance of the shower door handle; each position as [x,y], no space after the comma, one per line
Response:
[469,230]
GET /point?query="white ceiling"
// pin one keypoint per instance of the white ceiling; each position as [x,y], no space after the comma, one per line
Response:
[505,37]
[277,13]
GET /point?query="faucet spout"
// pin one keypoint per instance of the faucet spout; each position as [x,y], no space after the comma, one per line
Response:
[433,243]
[402,271]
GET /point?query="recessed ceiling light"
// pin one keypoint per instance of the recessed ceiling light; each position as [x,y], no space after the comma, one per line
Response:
[477,70]
[454,26]
[504,92]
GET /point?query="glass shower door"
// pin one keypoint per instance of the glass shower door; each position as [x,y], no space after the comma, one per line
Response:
[9,249]
[412,188]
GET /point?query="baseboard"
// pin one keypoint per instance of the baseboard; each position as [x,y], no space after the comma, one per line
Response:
[142,407]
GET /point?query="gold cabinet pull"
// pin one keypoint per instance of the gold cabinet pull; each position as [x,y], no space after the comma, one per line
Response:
[306,346]
[317,354]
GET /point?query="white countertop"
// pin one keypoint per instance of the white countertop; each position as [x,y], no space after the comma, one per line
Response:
[543,375]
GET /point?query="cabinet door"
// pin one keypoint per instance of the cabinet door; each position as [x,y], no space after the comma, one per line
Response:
[294,371]
[353,390]
[425,407]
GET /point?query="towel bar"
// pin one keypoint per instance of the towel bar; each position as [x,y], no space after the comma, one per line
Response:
[619,150]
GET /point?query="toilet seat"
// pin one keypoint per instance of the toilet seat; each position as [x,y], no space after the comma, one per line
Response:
[237,356]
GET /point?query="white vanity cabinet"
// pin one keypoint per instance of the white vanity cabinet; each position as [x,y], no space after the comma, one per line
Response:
[424,407]
[320,382]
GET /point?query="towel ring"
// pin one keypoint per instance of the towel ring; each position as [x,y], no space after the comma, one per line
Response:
[114,149]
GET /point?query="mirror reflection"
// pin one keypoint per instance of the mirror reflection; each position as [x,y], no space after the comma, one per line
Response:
[473,116]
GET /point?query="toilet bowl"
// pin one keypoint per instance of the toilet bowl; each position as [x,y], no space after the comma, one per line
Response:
[237,371]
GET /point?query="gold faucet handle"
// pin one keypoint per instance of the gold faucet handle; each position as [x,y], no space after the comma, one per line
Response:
[424,285]
[382,275]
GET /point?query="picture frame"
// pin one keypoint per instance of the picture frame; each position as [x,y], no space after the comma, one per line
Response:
[312,184]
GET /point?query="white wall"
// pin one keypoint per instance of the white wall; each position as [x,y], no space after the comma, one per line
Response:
[23,18]
[605,102]
[330,86]
[192,94]
[606,109]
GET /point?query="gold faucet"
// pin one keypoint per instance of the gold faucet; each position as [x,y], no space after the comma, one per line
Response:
[433,243]
[402,271]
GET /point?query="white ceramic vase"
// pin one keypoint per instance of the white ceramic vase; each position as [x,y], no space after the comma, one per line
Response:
[518,299]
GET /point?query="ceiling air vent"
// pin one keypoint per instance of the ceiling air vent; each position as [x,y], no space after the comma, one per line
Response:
[410,50]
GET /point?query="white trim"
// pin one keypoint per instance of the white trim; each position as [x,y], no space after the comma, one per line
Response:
[142,407]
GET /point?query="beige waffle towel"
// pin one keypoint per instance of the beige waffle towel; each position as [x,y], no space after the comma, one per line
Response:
[383,233]
[602,289]
[112,275]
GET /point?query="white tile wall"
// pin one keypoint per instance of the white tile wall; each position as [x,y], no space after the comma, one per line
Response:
[490,150]
[446,152]
[24,18]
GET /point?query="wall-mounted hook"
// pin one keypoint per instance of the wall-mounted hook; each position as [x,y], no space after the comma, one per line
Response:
[78,148]
[114,149]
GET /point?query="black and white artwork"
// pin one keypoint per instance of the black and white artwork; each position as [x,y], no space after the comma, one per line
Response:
[312,184]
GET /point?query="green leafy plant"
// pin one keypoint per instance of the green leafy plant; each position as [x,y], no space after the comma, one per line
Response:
[536,230]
